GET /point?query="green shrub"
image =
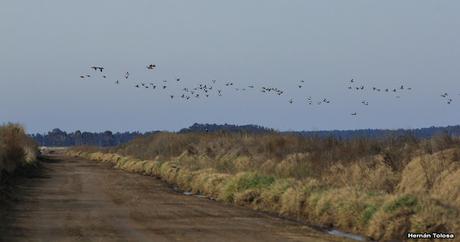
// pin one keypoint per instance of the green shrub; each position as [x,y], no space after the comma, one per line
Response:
[368,213]
[403,202]
[244,181]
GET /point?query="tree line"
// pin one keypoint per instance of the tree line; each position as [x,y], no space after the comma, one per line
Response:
[59,138]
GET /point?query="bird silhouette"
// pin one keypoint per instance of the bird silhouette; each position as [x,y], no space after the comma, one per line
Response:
[100,68]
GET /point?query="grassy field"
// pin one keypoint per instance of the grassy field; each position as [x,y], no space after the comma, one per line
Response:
[16,149]
[381,188]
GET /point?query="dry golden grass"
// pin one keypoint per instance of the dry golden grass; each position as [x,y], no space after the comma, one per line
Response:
[16,148]
[379,188]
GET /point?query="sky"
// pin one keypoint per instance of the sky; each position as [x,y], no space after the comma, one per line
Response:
[46,45]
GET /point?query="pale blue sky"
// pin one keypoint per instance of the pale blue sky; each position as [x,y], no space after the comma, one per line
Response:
[45,46]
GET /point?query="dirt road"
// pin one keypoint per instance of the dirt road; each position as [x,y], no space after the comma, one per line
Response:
[78,200]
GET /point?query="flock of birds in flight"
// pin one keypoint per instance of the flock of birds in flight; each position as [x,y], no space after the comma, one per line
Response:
[205,90]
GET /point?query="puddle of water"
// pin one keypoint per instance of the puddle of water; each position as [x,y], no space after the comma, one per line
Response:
[193,194]
[346,235]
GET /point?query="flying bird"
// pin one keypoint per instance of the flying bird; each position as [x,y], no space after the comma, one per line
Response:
[100,68]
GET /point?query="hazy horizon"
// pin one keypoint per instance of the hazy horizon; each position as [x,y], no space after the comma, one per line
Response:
[47,45]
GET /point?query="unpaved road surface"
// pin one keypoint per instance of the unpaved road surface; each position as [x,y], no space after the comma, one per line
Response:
[72,199]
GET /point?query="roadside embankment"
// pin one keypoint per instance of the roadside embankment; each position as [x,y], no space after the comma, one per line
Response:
[371,198]
[16,149]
